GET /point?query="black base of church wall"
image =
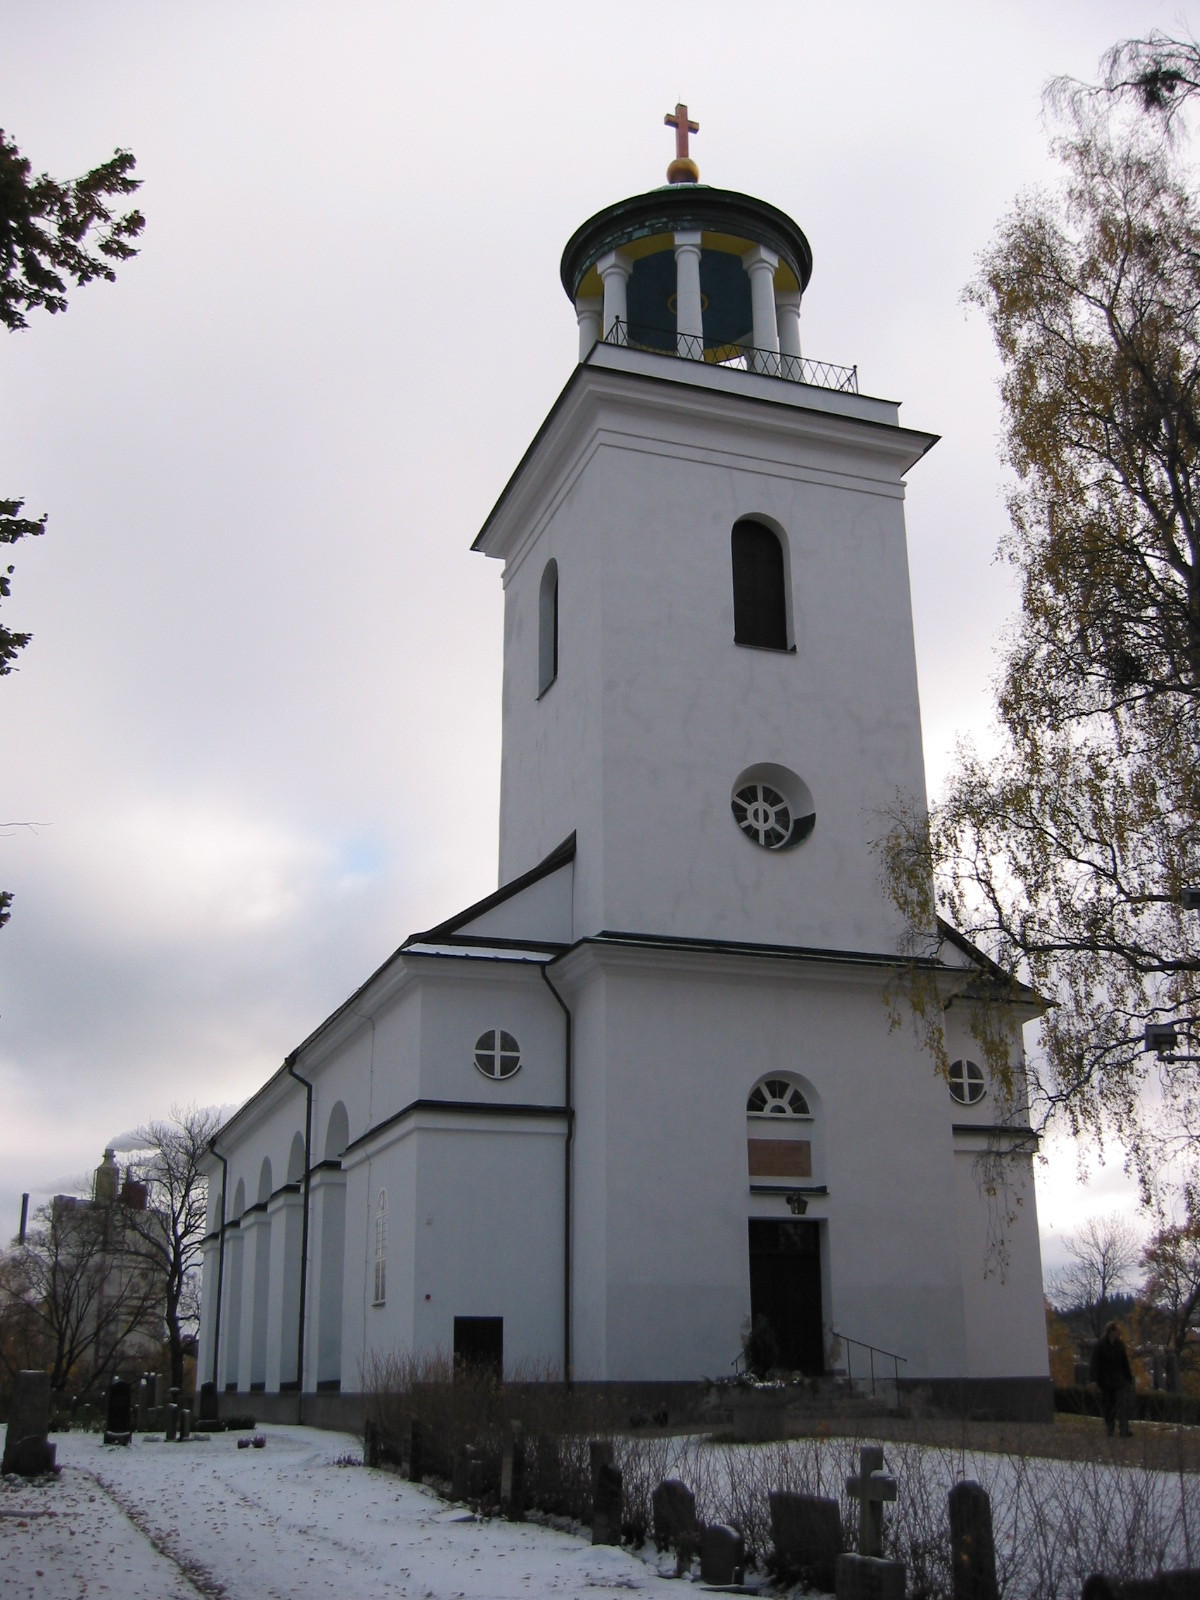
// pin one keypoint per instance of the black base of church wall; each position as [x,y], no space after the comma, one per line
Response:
[334,1410]
[983,1399]
[676,1404]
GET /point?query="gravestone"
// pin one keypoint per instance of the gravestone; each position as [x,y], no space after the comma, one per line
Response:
[872,1488]
[869,1578]
[607,1493]
[208,1401]
[972,1546]
[722,1555]
[414,1459]
[185,1424]
[513,1474]
[674,1508]
[372,1451]
[118,1425]
[543,1473]
[474,1477]
[172,1423]
[806,1531]
[27,1449]
[143,1408]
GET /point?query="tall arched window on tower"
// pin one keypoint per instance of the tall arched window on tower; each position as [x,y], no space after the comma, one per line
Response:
[548,627]
[759,586]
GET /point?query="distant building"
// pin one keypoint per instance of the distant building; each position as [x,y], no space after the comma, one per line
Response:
[104,1283]
[648,1089]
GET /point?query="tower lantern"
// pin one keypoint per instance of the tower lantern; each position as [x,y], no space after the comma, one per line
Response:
[705,273]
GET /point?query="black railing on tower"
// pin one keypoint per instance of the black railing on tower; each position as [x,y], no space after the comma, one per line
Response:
[738,357]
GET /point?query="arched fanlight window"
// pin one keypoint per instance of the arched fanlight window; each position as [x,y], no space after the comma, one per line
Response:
[548,627]
[776,1097]
[759,587]
[381,1209]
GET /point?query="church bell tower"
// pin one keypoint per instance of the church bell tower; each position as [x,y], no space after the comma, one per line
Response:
[709,672]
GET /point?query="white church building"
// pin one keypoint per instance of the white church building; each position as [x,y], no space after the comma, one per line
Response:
[648,1089]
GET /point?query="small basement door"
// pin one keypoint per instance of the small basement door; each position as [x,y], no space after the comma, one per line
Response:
[785,1288]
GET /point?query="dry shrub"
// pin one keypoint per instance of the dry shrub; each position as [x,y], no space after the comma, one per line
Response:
[1123,1510]
[467,1408]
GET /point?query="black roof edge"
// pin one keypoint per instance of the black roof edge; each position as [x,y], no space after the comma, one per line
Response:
[471,941]
[646,377]
[557,858]
[792,952]
[994,970]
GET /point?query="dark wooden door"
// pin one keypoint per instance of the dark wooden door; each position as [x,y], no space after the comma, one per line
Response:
[479,1344]
[785,1288]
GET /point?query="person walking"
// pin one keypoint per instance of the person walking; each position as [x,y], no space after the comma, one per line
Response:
[1113,1376]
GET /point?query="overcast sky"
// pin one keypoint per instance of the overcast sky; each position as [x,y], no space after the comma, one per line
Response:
[256,736]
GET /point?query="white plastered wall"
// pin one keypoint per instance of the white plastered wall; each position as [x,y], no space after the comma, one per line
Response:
[656,710]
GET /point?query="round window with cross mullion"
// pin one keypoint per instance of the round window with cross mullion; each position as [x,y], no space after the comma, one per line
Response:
[497,1054]
[967,1084]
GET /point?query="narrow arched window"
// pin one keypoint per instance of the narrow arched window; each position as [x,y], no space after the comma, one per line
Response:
[548,627]
[759,589]
[381,1209]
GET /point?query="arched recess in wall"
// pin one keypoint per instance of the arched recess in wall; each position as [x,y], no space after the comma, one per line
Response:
[782,1131]
[234,1254]
[337,1133]
[332,1199]
[262,1279]
[760,597]
[548,627]
[291,1219]
[295,1166]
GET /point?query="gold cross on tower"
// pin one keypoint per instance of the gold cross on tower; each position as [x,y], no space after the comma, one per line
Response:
[683,169]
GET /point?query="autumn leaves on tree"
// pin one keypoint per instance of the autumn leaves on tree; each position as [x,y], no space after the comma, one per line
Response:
[1067,855]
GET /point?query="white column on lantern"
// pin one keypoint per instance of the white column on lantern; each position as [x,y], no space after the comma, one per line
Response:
[614,269]
[761,263]
[787,315]
[589,309]
[689,308]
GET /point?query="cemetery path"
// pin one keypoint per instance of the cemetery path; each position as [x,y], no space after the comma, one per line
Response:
[171,1522]
[70,1538]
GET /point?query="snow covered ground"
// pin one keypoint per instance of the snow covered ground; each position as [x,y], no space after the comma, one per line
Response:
[170,1522]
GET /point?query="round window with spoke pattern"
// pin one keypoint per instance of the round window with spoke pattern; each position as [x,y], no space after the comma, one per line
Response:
[497,1054]
[772,806]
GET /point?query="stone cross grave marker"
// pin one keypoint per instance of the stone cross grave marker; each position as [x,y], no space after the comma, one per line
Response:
[872,1489]
[27,1449]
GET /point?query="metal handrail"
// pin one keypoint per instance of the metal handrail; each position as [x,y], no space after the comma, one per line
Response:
[738,357]
[873,1350]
